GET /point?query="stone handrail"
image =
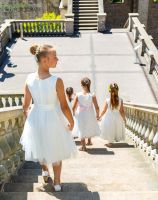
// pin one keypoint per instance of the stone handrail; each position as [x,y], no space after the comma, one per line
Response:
[142,127]
[11,155]
[10,100]
[101,17]
[148,49]
[5,34]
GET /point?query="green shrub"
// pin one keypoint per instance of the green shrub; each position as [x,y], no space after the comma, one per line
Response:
[44,26]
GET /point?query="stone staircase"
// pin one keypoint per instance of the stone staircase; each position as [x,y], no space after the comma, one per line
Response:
[119,173]
[85,14]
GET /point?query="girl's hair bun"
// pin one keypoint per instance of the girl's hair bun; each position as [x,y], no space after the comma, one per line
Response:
[33,49]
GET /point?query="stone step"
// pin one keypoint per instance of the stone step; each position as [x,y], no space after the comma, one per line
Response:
[81,4]
[30,172]
[86,11]
[31,165]
[85,29]
[85,14]
[27,179]
[85,0]
[79,7]
[46,196]
[85,8]
[43,187]
[86,18]
[146,195]
[85,22]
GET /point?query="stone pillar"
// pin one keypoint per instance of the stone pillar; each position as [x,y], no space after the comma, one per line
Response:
[101,22]
[143,10]
[69,26]
[130,26]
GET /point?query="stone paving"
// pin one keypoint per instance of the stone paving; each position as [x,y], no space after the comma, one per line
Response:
[104,58]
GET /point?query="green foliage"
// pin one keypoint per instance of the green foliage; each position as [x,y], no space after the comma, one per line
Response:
[155,1]
[50,16]
[44,27]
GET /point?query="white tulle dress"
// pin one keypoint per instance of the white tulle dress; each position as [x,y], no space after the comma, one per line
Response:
[45,137]
[112,124]
[86,123]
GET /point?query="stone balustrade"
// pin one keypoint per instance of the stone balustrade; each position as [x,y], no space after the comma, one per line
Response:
[11,155]
[32,28]
[147,47]
[39,27]
[10,100]
[142,127]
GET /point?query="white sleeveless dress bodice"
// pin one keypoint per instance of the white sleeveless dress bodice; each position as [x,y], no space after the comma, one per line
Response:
[112,124]
[45,137]
[87,124]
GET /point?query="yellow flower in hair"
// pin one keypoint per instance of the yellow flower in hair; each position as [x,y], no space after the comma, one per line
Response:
[109,88]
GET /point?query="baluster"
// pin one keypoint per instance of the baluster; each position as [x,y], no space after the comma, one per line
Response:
[7,104]
[49,27]
[27,27]
[13,101]
[1,102]
[20,100]
[34,27]
[13,25]
[63,27]
[17,27]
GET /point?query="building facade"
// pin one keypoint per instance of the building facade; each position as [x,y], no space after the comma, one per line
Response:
[27,9]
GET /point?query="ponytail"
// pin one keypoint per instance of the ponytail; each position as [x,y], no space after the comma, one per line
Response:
[86,82]
[114,98]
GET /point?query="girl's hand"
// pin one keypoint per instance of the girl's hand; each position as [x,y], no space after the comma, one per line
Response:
[70,126]
[97,117]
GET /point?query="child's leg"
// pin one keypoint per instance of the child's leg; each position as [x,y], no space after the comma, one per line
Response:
[83,145]
[45,172]
[89,141]
[44,168]
[57,173]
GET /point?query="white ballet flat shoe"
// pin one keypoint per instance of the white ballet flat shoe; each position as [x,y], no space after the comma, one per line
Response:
[45,175]
[57,188]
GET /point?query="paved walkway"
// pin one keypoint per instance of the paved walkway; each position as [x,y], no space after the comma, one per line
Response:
[101,173]
[105,58]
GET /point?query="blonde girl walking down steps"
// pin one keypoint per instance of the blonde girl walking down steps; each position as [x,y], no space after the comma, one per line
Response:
[46,137]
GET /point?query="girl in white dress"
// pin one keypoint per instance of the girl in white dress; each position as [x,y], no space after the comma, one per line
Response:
[113,121]
[70,96]
[84,112]
[46,137]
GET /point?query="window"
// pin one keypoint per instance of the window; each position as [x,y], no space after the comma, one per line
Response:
[119,1]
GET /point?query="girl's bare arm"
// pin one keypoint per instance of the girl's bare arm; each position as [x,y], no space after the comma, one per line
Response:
[96,106]
[27,100]
[104,109]
[63,103]
[75,105]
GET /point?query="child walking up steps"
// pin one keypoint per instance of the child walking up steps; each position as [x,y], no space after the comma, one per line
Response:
[86,118]
[113,117]
[46,138]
